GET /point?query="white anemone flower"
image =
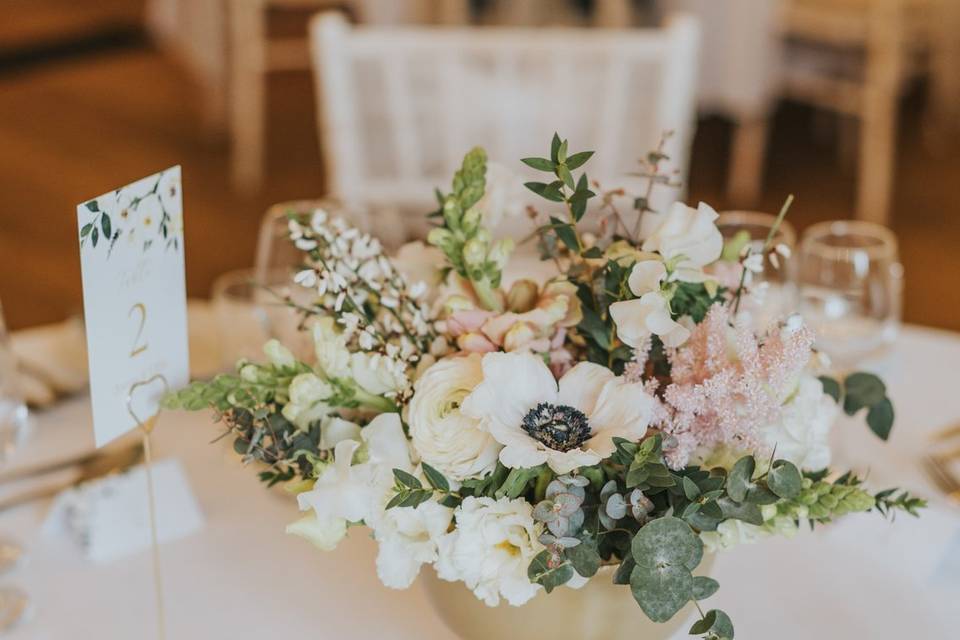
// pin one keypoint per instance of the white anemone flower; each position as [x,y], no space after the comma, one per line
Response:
[566,425]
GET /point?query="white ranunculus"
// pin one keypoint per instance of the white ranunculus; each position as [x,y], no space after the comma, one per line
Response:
[567,425]
[324,534]
[801,435]
[491,549]
[649,314]
[347,493]
[307,395]
[407,539]
[455,444]
[690,233]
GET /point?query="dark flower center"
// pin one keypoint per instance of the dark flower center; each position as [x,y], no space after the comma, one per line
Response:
[560,427]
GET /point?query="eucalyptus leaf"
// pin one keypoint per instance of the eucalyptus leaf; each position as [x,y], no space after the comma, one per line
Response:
[716,623]
[704,587]
[880,418]
[585,559]
[690,489]
[744,511]
[667,541]
[831,387]
[661,591]
[784,479]
[540,572]
[862,390]
[622,574]
[741,478]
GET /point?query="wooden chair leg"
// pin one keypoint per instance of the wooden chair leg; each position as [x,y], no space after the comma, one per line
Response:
[248,65]
[747,156]
[878,132]
[944,110]
[878,129]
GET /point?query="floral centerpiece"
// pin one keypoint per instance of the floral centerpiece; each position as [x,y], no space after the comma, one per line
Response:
[621,413]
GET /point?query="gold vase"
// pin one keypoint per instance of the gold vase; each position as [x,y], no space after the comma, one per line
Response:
[600,610]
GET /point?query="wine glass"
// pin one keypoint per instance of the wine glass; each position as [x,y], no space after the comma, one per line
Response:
[851,284]
[773,291]
[252,308]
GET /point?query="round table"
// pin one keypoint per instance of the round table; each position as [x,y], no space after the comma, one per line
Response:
[243,577]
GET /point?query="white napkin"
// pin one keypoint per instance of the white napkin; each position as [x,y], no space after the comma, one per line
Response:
[109,518]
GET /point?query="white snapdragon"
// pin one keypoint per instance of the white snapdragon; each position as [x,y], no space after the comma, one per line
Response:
[308,393]
[491,549]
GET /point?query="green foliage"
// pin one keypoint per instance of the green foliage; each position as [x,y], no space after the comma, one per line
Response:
[408,491]
[715,625]
[574,193]
[694,300]
[863,391]
[545,572]
[465,242]
[665,552]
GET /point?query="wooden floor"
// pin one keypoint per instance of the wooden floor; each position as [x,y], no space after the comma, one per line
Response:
[72,129]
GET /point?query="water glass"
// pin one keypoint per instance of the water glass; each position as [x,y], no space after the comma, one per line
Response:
[851,284]
[250,309]
[773,291]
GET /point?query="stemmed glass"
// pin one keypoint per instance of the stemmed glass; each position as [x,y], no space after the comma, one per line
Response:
[13,427]
[851,284]
[773,291]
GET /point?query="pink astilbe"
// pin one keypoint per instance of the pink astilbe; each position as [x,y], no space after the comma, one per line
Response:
[727,384]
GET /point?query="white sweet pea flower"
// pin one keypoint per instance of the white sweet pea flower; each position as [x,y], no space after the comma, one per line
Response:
[649,314]
[407,538]
[334,430]
[455,444]
[491,549]
[689,237]
[801,435]
[347,493]
[646,276]
[307,392]
[323,534]
[567,425]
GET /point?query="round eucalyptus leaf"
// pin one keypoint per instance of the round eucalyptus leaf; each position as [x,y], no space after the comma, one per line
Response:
[784,479]
[584,559]
[880,418]
[661,592]
[740,479]
[704,587]
[867,388]
[667,542]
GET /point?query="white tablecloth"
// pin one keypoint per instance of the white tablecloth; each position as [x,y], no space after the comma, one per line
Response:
[242,577]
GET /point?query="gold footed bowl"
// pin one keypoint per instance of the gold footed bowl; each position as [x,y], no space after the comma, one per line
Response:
[600,610]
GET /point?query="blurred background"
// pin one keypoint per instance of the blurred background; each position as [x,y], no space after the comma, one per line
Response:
[852,105]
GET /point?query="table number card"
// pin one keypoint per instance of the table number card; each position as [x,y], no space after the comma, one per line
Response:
[134,299]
